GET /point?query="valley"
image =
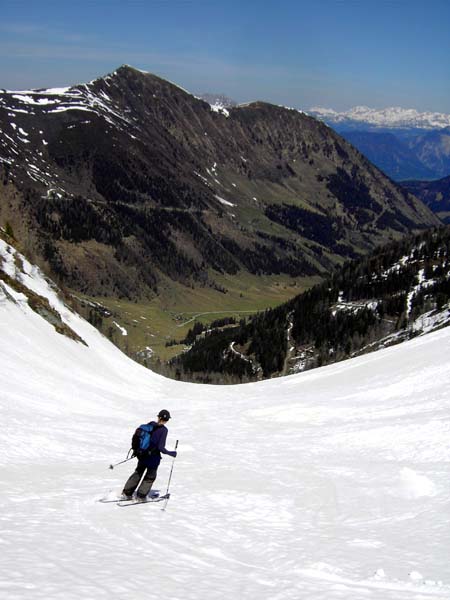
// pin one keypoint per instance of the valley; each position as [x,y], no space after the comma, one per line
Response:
[133,193]
[169,316]
[398,292]
[193,247]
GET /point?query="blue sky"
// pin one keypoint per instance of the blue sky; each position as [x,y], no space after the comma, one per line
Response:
[332,53]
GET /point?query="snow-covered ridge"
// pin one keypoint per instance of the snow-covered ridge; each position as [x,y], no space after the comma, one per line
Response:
[26,286]
[81,98]
[387,117]
[26,123]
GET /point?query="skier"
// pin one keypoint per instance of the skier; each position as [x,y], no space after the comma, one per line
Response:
[149,461]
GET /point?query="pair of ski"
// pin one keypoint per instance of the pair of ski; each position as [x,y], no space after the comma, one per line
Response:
[134,501]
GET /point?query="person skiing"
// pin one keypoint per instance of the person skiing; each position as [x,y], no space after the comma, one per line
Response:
[148,462]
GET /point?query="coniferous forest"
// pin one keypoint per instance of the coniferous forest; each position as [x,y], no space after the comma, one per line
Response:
[366,303]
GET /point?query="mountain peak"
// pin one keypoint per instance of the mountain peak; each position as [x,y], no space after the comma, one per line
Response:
[125,71]
[140,168]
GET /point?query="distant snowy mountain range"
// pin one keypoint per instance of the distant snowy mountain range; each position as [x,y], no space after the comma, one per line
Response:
[402,142]
[394,116]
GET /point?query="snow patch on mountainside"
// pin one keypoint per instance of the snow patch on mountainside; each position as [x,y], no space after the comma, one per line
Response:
[219,108]
[81,98]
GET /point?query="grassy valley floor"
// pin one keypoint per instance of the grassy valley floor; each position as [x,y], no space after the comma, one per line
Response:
[143,329]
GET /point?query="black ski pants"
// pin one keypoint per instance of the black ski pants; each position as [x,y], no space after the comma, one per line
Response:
[133,481]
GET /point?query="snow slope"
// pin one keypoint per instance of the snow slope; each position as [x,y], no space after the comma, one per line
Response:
[332,484]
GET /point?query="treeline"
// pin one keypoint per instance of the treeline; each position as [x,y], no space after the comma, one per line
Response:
[145,239]
[359,304]
[75,219]
[212,354]
[386,278]
[312,225]
[200,328]
[261,259]
[352,192]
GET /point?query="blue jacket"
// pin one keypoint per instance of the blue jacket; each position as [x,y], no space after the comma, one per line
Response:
[157,447]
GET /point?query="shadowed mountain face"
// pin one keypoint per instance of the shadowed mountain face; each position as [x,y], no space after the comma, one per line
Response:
[435,194]
[390,154]
[433,150]
[123,182]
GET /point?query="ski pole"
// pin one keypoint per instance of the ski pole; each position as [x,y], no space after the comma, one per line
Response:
[121,462]
[170,477]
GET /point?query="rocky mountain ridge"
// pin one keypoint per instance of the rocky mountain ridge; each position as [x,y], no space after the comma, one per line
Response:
[118,185]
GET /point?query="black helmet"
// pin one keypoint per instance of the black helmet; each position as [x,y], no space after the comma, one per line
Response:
[164,415]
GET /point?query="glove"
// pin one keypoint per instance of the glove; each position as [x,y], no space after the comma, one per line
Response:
[174,453]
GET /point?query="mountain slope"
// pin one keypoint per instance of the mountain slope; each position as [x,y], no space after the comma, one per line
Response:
[435,194]
[128,182]
[356,504]
[390,154]
[433,149]
[397,292]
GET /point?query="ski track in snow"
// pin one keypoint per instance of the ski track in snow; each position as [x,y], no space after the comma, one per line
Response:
[332,484]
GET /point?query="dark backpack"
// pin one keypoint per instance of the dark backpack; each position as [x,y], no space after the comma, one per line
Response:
[140,442]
